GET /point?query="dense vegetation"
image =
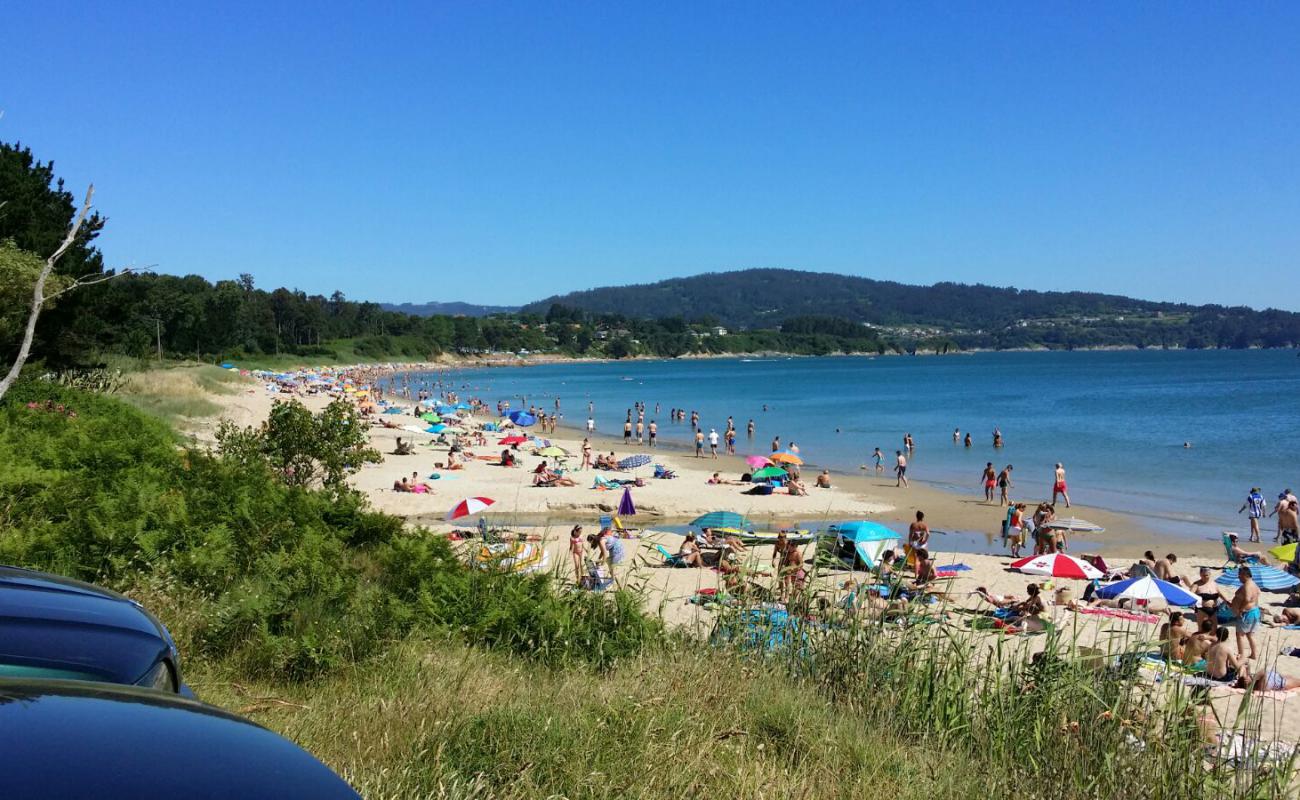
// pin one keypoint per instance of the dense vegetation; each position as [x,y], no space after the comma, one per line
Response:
[253,568]
[973,316]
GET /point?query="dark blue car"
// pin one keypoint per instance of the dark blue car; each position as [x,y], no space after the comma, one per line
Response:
[80,739]
[53,627]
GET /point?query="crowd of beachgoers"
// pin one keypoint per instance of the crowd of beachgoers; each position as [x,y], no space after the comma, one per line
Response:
[493,473]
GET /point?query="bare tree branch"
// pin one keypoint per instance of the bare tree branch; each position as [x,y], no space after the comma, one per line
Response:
[91,280]
[38,293]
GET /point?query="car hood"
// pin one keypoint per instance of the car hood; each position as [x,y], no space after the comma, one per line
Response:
[120,743]
[49,621]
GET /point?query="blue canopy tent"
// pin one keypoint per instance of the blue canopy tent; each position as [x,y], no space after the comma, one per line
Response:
[867,540]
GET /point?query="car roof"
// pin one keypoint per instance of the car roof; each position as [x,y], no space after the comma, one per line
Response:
[96,740]
[55,622]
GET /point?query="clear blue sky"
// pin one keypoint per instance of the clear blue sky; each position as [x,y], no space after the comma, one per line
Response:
[501,152]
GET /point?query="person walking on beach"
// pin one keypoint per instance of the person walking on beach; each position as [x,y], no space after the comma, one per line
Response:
[1059,487]
[713,442]
[1283,500]
[1288,523]
[1245,604]
[699,444]
[1254,502]
[654,433]
[1004,484]
[900,467]
[586,454]
[989,478]
[880,461]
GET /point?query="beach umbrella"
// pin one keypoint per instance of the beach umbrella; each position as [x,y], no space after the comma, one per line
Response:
[392,410]
[553,451]
[632,462]
[462,407]
[1148,588]
[786,457]
[1284,552]
[768,472]
[468,506]
[626,508]
[1075,525]
[756,462]
[721,519]
[435,428]
[1270,579]
[1057,565]
[514,439]
[523,419]
[430,418]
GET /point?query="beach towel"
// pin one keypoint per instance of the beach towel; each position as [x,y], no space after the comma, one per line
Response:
[604,483]
[1118,613]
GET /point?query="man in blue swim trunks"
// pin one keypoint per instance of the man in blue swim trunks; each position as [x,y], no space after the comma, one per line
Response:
[1245,604]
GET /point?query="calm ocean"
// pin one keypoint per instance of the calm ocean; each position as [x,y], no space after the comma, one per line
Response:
[1118,420]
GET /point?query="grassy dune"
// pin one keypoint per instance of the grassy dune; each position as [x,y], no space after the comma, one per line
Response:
[179,392]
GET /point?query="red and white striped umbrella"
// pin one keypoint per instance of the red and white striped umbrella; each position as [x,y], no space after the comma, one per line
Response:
[1057,565]
[470,505]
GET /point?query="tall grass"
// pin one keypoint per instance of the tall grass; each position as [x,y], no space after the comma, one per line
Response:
[180,392]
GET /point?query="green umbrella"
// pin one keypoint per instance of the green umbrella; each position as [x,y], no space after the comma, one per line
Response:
[431,418]
[768,472]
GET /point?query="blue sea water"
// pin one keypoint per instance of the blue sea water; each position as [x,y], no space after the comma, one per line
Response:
[1117,420]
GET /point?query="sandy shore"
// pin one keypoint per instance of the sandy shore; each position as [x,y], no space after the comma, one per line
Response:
[547,513]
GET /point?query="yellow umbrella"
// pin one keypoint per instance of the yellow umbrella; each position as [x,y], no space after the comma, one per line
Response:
[1284,552]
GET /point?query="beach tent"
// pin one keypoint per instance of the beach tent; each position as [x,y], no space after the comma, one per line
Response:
[1270,579]
[868,540]
[1148,588]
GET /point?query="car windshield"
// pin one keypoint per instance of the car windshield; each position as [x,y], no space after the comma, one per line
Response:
[23,671]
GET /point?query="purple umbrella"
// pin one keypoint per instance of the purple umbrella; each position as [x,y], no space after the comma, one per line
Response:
[625,506]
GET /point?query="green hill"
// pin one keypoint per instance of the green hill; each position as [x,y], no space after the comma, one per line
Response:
[974,315]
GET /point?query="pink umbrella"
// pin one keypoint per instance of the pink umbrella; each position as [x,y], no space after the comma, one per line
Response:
[470,505]
[1057,565]
[757,461]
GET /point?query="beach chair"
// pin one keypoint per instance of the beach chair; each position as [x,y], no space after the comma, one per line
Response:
[1232,559]
[670,559]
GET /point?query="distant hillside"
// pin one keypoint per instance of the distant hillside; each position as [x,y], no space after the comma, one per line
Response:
[447,309]
[973,315]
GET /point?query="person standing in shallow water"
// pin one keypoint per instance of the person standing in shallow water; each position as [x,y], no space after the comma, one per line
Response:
[1004,484]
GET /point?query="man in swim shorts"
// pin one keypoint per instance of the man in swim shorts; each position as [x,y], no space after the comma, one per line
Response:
[1059,487]
[900,467]
[989,479]
[1245,604]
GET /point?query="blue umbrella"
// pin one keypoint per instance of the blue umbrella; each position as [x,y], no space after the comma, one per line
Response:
[1148,588]
[632,462]
[462,407]
[522,418]
[626,508]
[721,519]
[1270,579]
[439,428]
